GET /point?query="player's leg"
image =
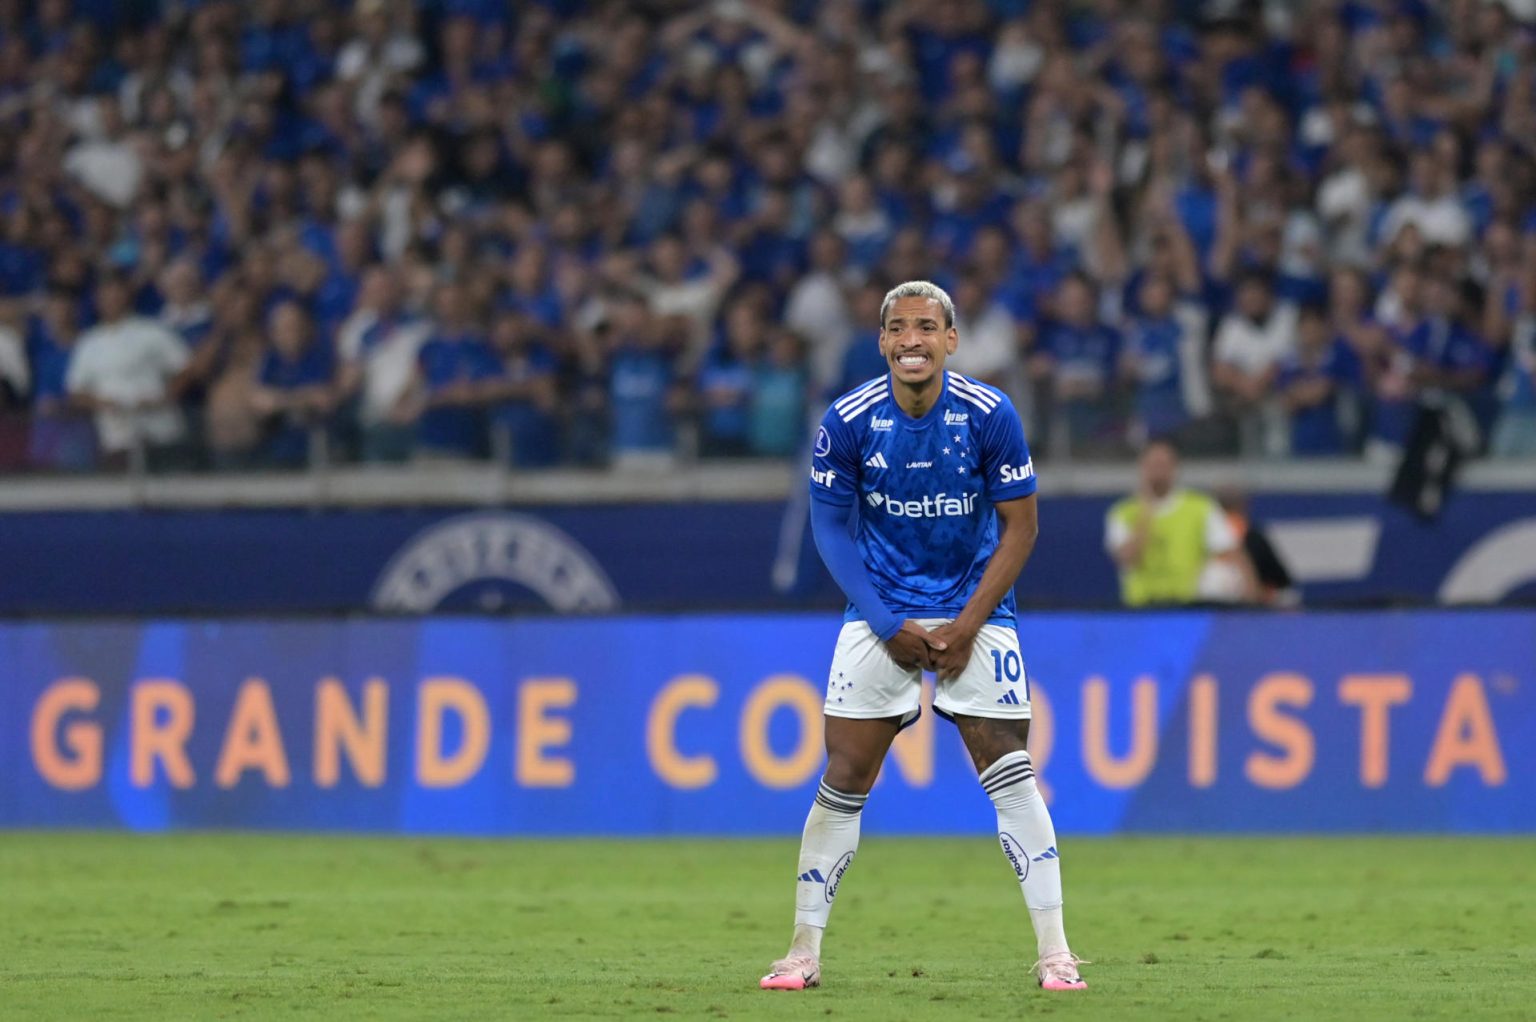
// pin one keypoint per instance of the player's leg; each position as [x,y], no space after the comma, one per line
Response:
[990,705]
[869,697]
[855,750]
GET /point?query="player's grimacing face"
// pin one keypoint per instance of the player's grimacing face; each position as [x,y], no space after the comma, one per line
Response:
[915,341]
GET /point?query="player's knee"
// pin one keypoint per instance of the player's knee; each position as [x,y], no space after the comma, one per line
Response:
[851,775]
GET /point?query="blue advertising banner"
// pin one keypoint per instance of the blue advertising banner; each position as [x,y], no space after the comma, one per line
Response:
[1422,721]
[1342,548]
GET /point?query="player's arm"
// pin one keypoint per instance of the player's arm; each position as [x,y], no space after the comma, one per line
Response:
[1018,522]
[907,641]
[834,468]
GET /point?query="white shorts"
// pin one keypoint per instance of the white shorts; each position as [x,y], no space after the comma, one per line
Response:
[865,682]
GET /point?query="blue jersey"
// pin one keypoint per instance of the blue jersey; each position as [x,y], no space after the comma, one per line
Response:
[924,489]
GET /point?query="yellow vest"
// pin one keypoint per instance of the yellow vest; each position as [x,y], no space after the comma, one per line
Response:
[1174,554]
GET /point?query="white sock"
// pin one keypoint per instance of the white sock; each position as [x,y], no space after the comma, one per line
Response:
[827,845]
[1029,842]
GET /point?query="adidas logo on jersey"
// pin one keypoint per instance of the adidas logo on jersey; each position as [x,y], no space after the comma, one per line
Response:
[1010,698]
[878,461]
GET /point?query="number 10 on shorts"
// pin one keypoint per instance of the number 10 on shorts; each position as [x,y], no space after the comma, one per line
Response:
[1006,664]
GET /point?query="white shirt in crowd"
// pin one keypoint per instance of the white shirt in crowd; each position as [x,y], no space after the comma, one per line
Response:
[817,311]
[1254,347]
[110,170]
[388,364]
[1440,221]
[130,362]
[989,343]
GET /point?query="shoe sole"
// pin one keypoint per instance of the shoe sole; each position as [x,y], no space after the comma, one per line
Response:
[789,981]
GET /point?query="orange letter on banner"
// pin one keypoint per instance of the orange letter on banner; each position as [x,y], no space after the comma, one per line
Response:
[912,751]
[252,741]
[1264,716]
[337,727]
[538,732]
[768,768]
[1375,694]
[81,767]
[1202,731]
[435,697]
[150,740]
[1466,737]
[686,691]
[1137,763]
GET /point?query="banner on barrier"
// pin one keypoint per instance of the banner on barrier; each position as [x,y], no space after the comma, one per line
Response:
[1340,547]
[711,725]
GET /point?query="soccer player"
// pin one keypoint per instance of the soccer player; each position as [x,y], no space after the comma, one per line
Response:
[936,467]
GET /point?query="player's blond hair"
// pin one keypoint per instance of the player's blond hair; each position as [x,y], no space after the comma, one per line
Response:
[919,289]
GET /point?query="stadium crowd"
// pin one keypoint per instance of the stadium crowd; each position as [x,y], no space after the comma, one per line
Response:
[238,234]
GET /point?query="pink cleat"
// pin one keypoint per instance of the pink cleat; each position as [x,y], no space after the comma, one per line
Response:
[1059,972]
[796,972]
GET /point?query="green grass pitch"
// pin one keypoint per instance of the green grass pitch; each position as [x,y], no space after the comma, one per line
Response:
[247,926]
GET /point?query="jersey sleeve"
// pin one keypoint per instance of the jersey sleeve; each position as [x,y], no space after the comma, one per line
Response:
[834,462]
[1009,470]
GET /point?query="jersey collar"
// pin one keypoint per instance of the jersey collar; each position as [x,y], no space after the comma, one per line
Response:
[926,417]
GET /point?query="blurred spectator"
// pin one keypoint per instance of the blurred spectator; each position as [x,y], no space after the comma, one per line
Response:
[687,303]
[233,426]
[990,345]
[1164,538]
[1251,343]
[1440,358]
[862,361]
[780,391]
[226,158]
[126,371]
[644,393]
[522,397]
[1514,435]
[817,309]
[1073,368]
[377,347]
[454,363]
[295,392]
[1162,360]
[61,437]
[1319,386]
[726,383]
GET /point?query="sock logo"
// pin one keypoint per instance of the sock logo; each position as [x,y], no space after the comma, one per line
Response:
[813,876]
[1016,854]
[1049,853]
[837,875]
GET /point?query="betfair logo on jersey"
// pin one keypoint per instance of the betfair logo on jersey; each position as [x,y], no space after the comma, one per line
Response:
[823,476]
[938,506]
[1018,473]
[956,418]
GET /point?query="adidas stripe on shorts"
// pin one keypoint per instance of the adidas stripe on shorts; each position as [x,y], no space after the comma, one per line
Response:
[865,682]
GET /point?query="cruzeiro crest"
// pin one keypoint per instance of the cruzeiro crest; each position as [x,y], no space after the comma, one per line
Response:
[494,548]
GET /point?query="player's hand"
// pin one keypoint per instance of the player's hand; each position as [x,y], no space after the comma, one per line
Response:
[913,646]
[952,649]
